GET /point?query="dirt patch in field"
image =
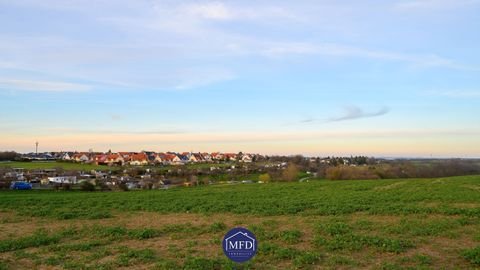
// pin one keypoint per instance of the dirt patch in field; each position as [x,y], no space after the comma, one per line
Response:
[379,219]
[465,205]
[391,186]
[472,187]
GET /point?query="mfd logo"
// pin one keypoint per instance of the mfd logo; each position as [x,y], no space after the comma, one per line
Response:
[239,245]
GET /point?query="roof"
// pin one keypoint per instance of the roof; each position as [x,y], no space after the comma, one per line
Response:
[139,157]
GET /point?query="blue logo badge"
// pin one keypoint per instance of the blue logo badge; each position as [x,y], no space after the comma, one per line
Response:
[239,245]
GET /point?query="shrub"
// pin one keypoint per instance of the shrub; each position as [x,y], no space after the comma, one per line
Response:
[87,186]
[290,173]
[123,187]
[264,178]
[350,173]
[104,187]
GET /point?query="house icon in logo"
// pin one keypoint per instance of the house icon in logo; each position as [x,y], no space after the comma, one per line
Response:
[239,245]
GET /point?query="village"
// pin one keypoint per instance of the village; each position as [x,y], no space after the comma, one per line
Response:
[123,170]
[157,170]
[141,158]
[145,170]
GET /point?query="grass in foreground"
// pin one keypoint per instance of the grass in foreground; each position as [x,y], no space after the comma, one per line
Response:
[411,224]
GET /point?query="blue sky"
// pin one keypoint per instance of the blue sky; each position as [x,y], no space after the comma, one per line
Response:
[383,78]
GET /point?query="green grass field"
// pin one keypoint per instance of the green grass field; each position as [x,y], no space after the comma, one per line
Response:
[54,164]
[380,224]
[87,167]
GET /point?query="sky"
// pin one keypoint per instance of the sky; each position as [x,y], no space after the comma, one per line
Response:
[397,78]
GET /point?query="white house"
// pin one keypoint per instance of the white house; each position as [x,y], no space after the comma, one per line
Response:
[63,179]
[81,157]
[246,158]
[66,156]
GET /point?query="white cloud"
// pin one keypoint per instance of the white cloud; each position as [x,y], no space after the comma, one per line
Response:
[154,43]
[42,86]
[433,4]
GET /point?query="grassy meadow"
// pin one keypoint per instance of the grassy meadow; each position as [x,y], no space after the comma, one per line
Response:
[68,166]
[74,166]
[370,224]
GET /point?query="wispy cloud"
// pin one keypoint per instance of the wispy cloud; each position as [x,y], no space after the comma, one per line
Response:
[349,113]
[354,112]
[433,4]
[169,131]
[42,86]
[340,50]
[116,117]
[153,44]
[455,93]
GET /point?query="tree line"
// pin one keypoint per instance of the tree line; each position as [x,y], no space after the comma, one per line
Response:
[8,156]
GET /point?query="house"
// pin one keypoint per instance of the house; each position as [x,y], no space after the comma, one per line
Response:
[206,157]
[139,159]
[198,157]
[63,179]
[154,158]
[230,156]
[246,158]
[40,156]
[100,159]
[193,158]
[183,158]
[217,156]
[114,159]
[81,157]
[126,156]
[170,159]
[65,156]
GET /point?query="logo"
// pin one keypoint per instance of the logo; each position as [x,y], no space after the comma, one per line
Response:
[239,245]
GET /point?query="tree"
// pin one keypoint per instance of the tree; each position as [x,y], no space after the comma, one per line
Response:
[8,156]
[194,180]
[290,173]
[265,178]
